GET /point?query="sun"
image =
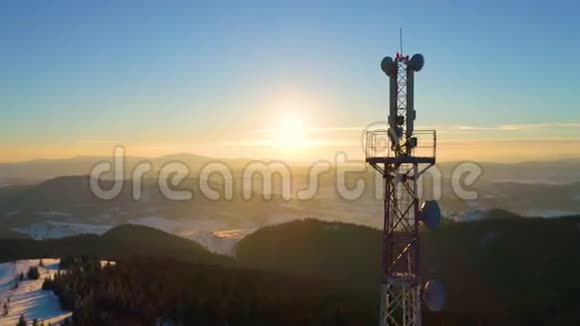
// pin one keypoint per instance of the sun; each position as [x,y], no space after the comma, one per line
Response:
[290,133]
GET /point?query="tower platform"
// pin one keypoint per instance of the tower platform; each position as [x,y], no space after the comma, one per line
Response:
[401,160]
[378,148]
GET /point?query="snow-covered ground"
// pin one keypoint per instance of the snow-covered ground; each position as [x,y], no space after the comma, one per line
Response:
[56,230]
[28,299]
[547,213]
[470,215]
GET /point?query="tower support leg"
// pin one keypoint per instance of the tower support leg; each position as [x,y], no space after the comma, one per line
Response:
[400,303]
[401,287]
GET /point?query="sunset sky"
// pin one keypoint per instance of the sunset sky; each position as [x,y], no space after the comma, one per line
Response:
[293,81]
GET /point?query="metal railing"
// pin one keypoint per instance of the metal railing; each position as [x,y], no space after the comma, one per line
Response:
[378,144]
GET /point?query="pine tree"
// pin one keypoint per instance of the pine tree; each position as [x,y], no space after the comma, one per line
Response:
[35,322]
[33,273]
[21,321]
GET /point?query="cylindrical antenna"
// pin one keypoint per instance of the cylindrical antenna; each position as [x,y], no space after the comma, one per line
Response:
[401,39]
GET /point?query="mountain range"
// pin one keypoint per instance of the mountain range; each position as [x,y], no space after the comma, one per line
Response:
[502,271]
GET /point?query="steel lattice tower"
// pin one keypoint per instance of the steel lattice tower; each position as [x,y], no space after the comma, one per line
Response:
[395,153]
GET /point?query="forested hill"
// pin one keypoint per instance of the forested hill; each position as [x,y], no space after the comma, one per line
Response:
[513,271]
[168,292]
[119,242]
[518,267]
[345,253]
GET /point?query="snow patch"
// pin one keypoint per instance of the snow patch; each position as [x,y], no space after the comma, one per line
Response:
[470,215]
[55,214]
[28,299]
[547,213]
[56,230]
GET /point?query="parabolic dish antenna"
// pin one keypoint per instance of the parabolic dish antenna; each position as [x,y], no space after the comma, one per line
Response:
[388,66]
[417,61]
[431,214]
[434,295]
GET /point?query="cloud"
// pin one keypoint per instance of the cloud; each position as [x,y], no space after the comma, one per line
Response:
[515,127]
[272,143]
[97,141]
[315,130]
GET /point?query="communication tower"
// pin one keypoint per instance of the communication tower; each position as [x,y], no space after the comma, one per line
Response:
[401,154]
